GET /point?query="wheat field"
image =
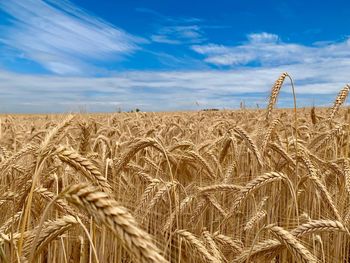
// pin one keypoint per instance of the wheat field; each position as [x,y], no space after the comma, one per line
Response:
[264,185]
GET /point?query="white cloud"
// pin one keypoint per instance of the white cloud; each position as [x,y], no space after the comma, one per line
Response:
[165,39]
[170,90]
[60,36]
[263,38]
[211,49]
[266,49]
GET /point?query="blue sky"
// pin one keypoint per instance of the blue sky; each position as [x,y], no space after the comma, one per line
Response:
[59,55]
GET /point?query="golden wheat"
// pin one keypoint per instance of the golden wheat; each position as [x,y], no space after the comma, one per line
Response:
[177,187]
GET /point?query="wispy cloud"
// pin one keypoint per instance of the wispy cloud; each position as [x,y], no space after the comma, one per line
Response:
[168,19]
[175,30]
[266,49]
[185,34]
[62,37]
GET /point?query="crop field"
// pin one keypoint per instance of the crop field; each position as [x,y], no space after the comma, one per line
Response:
[263,185]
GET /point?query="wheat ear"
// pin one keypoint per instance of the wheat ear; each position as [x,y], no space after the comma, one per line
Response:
[212,246]
[341,97]
[268,134]
[251,145]
[236,245]
[50,231]
[347,175]
[319,226]
[133,149]
[107,211]
[254,185]
[274,93]
[292,244]
[197,244]
[84,165]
